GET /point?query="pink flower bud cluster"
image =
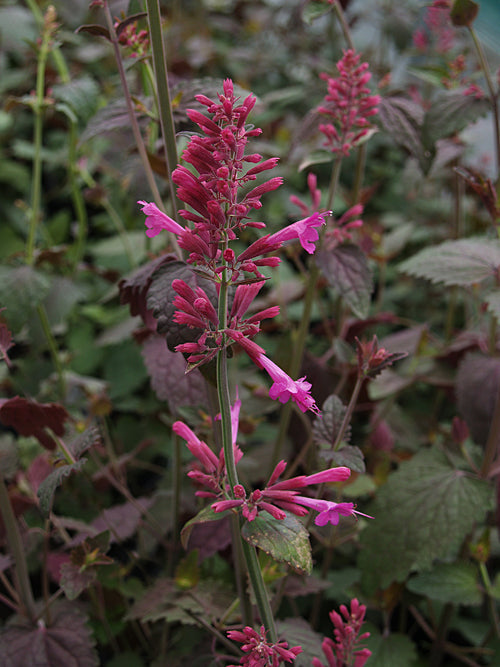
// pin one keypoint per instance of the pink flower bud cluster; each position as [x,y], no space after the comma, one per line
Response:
[345,651]
[348,105]
[259,651]
[439,31]
[136,42]
[215,188]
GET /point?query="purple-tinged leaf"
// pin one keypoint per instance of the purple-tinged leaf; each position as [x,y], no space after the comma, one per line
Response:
[22,289]
[169,379]
[130,19]
[463,262]
[347,272]
[134,288]
[451,113]
[402,119]
[211,537]
[83,442]
[327,427]
[477,384]
[206,515]
[65,641]
[350,456]
[32,418]
[95,29]
[75,580]
[285,540]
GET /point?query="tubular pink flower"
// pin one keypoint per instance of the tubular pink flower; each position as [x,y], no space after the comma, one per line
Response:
[156,220]
[261,652]
[284,388]
[339,474]
[197,447]
[305,230]
[329,512]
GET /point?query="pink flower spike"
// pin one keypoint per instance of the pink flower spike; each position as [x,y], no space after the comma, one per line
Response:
[156,220]
[223,505]
[284,388]
[331,475]
[304,230]
[196,446]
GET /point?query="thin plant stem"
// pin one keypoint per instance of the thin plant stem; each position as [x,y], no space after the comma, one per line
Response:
[240,571]
[491,599]
[38,106]
[249,553]
[54,353]
[17,552]
[359,174]
[343,24]
[163,95]
[176,499]
[133,122]
[491,90]
[348,413]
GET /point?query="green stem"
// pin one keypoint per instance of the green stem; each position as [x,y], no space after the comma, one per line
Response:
[252,562]
[491,90]
[36,184]
[17,552]
[76,195]
[176,493]
[164,104]
[343,24]
[491,599]
[133,121]
[44,321]
[348,413]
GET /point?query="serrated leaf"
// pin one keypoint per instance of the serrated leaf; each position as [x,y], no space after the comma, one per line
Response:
[80,95]
[298,632]
[21,290]
[423,513]
[65,641]
[463,262]
[167,371]
[402,119]
[464,12]
[393,650]
[327,427]
[350,456]
[205,515]
[347,272]
[448,582]
[74,580]
[285,540]
[49,485]
[89,438]
[451,113]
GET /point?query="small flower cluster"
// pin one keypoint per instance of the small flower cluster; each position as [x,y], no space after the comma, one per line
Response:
[348,105]
[219,211]
[439,28]
[259,651]
[276,498]
[372,359]
[345,651]
[135,42]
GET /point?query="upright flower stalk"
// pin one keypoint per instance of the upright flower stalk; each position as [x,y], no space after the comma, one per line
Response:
[219,192]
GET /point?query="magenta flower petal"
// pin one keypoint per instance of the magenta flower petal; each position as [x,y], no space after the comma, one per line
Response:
[156,220]
[284,388]
[304,230]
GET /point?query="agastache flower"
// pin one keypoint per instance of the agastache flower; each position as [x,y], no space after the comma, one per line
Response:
[372,359]
[261,652]
[348,104]
[346,650]
[157,221]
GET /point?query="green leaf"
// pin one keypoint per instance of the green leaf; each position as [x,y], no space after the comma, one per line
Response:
[80,95]
[394,650]
[350,456]
[187,573]
[464,12]
[448,582]
[89,438]
[347,272]
[49,485]
[21,290]
[314,10]
[206,514]
[422,513]
[285,540]
[462,262]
